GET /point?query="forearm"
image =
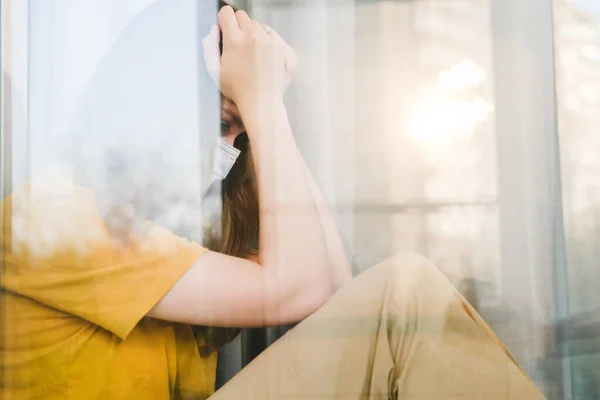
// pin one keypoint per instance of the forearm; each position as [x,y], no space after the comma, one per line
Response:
[292,241]
[339,264]
[341,271]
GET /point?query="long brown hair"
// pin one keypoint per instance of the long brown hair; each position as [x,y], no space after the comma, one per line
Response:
[239,225]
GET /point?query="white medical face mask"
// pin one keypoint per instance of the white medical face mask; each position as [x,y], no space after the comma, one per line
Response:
[224,158]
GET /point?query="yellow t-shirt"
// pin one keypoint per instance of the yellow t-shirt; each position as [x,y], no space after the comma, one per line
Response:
[73,305]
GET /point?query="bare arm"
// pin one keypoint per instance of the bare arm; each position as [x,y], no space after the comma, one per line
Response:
[340,267]
[339,264]
[292,278]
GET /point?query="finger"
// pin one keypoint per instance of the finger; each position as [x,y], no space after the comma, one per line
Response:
[291,60]
[243,20]
[228,24]
[259,28]
[291,57]
[212,54]
[278,39]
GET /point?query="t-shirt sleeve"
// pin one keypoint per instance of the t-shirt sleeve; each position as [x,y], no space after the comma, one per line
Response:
[58,252]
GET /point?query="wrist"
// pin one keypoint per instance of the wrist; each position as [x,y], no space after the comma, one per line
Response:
[266,103]
[263,118]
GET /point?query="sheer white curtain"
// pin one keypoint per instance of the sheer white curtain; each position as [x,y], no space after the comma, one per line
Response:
[14,89]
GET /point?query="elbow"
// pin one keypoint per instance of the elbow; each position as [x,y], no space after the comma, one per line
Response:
[303,298]
[344,276]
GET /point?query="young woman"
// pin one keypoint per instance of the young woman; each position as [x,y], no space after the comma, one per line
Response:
[91,310]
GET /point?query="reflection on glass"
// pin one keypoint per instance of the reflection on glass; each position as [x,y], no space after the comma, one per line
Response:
[435,116]
[397,99]
[450,110]
[577,44]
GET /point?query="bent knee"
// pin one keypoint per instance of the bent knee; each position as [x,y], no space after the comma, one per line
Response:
[410,276]
[408,268]
[414,287]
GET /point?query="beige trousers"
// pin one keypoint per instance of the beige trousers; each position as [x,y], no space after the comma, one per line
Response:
[400,330]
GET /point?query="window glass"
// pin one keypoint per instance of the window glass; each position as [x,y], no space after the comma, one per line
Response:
[463,130]
[577,43]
